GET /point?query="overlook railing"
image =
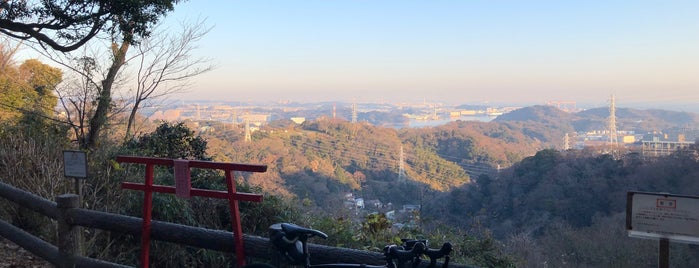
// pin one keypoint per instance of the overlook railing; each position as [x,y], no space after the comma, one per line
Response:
[68,216]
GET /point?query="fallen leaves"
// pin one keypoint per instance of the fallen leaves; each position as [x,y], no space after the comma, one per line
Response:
[14,256]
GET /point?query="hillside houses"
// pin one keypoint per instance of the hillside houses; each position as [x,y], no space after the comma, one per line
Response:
[406,216]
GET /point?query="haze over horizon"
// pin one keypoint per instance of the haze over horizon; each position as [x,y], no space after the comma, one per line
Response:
[523,53]
[449,51]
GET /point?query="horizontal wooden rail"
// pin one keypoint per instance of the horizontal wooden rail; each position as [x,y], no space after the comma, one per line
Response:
[29,200]
[25,240]
[255,246]
[44,249]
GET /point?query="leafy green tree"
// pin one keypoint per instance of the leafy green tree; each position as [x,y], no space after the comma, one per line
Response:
[42,79]
[39,116]
[171,140]
[30,144]
[375,224]
[13,95]
[27,93]
[483,251]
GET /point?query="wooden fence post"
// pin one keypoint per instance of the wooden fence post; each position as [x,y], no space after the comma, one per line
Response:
[68,235]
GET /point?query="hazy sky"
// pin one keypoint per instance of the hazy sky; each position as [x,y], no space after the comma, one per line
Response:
[449,51]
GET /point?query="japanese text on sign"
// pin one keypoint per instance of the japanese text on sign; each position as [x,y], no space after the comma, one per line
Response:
[651,215]
[75,164]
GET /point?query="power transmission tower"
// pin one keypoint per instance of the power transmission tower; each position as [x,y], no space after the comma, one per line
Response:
[354,113]
[566,142]
[235,116]
[248,137]
[401,167]
[612,122]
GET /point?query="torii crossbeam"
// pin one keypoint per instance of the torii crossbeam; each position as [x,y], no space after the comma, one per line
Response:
[183,189]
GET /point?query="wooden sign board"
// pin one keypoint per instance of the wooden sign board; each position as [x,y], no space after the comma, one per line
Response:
[663,216]
[75,164]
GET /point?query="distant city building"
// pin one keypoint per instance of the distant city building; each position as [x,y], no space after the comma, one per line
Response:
[167,115]
[255,119]
[298,120]
[207,129]
[349,196]
[359,202]
[410,208]
[391,215]
[663,148]
[374,203]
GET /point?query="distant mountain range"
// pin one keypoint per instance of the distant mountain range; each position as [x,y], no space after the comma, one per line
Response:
[640,121]
[322,159]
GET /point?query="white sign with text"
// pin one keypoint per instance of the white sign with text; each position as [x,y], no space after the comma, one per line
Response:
[75,164]
[660,215]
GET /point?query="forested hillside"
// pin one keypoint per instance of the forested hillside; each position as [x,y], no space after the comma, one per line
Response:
[475,182]
[563,202]
[540,205]
[322,159]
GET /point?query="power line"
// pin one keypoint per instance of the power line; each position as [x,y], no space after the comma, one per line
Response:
[356,155]
[31,112]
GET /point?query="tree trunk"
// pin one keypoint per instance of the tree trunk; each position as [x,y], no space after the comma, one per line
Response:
[99,119]
[132,119]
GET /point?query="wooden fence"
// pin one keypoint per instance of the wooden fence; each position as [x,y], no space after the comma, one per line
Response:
[69,217]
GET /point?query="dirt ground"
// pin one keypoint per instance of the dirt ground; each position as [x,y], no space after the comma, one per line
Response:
[13,256]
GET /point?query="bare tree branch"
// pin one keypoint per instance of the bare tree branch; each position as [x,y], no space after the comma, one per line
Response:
[166,65]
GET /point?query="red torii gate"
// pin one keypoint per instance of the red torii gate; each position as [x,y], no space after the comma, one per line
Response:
[184,189]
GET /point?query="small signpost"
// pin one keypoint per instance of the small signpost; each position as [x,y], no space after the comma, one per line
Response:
[184,189]
[664,217]
[75,166]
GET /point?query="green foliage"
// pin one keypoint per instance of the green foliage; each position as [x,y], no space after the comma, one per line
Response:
[482,251]
[178,141]
[170,140]
[324,159]
[435,171]
[27,98]
[65,26]
[467,143]
[478,248]
[26,91]
[42,79]
[550,208]
[376,229]
[341,231]
[566,208]
[372,233]
[257,217]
